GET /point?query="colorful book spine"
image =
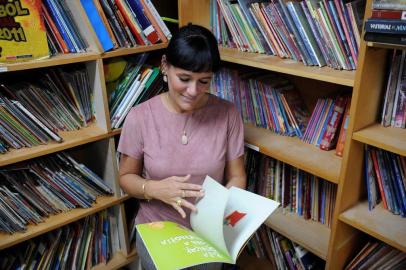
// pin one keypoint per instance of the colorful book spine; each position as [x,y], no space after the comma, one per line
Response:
[397,27]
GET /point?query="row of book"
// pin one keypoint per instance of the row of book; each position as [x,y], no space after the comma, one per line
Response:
[387,23]
[138,82]
[316,32]
[282,252]
[125,23]
[81,245]
[323,129]
[376,255]
[36,189]
[385,175]
[34,109]
[269,101]
[35,29]
[394,103]
[298,192]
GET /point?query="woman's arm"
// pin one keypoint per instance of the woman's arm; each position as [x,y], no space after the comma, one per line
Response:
[171,190]
[235,173]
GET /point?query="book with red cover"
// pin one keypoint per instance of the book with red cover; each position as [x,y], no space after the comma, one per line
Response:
[329,137]
[343,130]
[389,14]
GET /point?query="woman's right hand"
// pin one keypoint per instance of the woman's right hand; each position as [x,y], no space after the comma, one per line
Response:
[173,190]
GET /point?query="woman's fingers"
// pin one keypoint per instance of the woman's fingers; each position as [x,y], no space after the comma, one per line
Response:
[180,203]
[191,193]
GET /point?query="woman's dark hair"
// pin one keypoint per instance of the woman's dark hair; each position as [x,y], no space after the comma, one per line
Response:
[194,48]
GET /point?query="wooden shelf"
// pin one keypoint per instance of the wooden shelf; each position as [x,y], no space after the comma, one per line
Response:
[118,261]
[379,223]
[295,152]
[134,50]
[57,221]
[387,138]
[313,236]
[60,59]
[385,45]
[115,132]
[288,66]
[71,139]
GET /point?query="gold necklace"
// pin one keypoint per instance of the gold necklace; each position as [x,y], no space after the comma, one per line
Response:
[184,139]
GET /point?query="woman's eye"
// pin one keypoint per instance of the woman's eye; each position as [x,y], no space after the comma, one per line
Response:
[184,79]
[204,82]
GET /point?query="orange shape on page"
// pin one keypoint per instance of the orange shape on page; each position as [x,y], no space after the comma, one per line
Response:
[233,218]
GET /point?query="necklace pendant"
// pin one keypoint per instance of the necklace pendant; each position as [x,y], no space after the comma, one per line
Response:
[184,140]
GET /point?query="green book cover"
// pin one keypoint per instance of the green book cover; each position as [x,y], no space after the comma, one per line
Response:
[225,220]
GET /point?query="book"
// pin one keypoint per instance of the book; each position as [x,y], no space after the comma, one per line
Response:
[389,14]
[343,130]
[397,27]
[22,31]
[225,220]
[389,4]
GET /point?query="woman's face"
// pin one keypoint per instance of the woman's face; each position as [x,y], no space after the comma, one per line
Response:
[186,88]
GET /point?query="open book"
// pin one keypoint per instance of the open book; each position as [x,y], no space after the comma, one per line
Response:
[225,220]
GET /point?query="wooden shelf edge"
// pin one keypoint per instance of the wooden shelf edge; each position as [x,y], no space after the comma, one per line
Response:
[71,139]
[287,66]
[324,164]
[115,132]
[60,59]
[59,220]
[379,223]
[309,234]
[385,45]
[118,261]
[387,138]
[134,50]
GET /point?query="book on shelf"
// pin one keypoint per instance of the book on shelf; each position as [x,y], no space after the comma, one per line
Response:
[225,220]
[22,32]
[389,4]
[95,16]
[388,14]
[385,26]
[80,245]
[343,130]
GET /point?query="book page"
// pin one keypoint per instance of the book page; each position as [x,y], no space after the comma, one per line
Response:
[208,221]
[173,246]
[245,212]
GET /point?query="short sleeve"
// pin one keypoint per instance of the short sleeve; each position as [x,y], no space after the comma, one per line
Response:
[235,133]
[131,139]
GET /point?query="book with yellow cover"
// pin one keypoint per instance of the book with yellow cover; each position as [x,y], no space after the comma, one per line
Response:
[22,31]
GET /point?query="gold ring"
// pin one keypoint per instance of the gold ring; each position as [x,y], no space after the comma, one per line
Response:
[179,202]
[183,194]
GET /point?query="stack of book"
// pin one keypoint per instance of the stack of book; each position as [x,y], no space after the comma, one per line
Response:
[316,32]
[34,110]
[33,190]
[385,175]
[394,106]
[62,30]
[282,252]
[138,83]
[298,192]
[263,99]
[81,245]
[378,255]
[324,129]
[125,23]
[387,23]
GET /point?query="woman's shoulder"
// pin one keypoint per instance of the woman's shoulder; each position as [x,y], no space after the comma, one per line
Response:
[143,108]
[221,105]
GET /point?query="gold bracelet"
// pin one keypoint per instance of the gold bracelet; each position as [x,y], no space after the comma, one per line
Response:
[143,190]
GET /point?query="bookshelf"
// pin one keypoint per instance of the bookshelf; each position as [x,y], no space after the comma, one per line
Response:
[351,220]
[93,145]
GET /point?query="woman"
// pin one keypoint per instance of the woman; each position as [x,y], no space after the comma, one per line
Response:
[171,142]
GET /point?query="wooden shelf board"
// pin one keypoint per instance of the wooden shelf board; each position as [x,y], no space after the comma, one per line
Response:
[115,131]
[379,223]
[288,66]
[387,138]
[312,235]
[71,139]
[57,221]
[60,59]
[134,50]
[118,261]
[295,152]
[385,45]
